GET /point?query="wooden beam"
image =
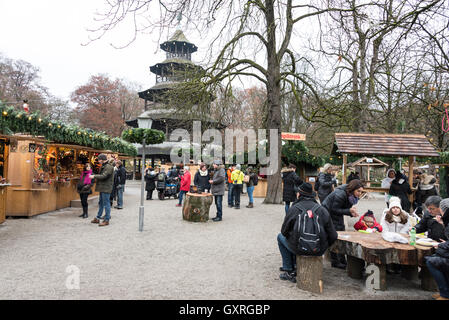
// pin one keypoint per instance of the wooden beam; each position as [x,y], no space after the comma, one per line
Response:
[345,162]
[411,160]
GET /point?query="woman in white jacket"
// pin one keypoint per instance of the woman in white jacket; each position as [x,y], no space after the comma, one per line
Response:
[394,219]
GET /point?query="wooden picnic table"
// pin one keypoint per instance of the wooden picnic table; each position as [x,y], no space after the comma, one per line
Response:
[373,249]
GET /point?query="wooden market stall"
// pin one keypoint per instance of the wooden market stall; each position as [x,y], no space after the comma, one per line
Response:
[367,163]
[400,145]
[4,183]
[44,175]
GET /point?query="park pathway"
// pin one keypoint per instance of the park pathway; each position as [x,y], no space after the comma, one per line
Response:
[237,258]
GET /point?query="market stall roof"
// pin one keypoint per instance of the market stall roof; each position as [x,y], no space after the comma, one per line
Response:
[384,144]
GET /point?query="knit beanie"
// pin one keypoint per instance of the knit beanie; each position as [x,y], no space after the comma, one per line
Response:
[396,202]
[444,204]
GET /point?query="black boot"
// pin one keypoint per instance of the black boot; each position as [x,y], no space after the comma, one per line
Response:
[85,212]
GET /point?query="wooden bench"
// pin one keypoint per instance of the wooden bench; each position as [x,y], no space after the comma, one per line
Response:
[373,249]
[309,273]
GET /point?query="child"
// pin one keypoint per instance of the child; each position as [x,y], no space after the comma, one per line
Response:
[394,219]
[368,223]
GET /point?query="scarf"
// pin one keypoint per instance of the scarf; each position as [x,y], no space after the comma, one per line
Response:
[397,219]
[353,199]
[203,173]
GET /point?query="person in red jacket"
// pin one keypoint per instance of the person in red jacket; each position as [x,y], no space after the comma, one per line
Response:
[367,222]
[186,180]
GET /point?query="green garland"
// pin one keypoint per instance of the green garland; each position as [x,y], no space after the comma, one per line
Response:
[17,121]
[296,152]
[136,135]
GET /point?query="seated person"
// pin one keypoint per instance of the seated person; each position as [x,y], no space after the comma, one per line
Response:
[368,223]
[288,239]
[394,219]
[429,221]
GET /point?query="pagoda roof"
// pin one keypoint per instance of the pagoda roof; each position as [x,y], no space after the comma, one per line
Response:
[177,62]
[178,39]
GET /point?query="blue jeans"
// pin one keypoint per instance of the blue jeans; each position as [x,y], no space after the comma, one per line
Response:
[105,203]
[219,205]
[230,198]
[181,195]
[250,191]
[440,278]
[288,257]
[120,189]
[287,206]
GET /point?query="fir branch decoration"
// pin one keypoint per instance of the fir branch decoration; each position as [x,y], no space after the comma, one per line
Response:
[136,135]
[17,121]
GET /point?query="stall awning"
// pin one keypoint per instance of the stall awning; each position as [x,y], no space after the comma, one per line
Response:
[384,144]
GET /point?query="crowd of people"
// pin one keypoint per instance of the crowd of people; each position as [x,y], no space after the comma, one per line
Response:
[310,226]
[335,202]
[109,182]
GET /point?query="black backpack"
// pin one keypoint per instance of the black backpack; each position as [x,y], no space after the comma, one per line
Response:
[317,183]
[307,229]
[255,179]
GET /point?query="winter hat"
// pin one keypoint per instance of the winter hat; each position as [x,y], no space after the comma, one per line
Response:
[217,162]
[238,167]
[102,156]
[369,213]
[306,189]
[444,205]
[326,166]
[396,202]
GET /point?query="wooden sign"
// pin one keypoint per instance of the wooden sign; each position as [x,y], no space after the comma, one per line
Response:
[293,136]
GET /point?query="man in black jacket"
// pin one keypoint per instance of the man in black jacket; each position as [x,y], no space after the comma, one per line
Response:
[119,183]
[429,223]
[288,238]
[438,263]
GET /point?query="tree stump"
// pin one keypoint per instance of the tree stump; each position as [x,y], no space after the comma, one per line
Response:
[309,275]
[196,207]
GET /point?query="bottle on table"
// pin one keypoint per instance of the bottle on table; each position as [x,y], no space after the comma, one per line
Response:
[412,237]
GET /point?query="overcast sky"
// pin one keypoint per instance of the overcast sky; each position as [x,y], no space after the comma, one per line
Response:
[49,34]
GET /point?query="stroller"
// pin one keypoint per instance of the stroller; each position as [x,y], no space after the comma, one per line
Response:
[166,186]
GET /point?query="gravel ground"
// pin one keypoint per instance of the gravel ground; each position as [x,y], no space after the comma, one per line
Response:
[237,258]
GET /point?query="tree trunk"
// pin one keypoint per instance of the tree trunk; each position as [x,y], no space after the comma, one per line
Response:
[274,188]
[310,273]
[196,207]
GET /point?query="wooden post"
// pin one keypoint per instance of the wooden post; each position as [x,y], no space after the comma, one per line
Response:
[368,177]
[309,275]
[345,161]
[382,276]
[411,160]
[355,267]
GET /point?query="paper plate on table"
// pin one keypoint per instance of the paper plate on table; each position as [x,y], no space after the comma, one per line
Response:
[426,242]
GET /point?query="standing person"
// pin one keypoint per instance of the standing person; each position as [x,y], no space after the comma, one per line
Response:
[289,238]
[86,189]
[113,195]
[150,184]
[426,187]
[386,183]
[353,176]
[230,185]
[250,186]
[201,179]
[218,188]
[237,181]
[326,182]
[341,203]
[401,189]
[185,185]
[120,183]
[291,184]
[104,186]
